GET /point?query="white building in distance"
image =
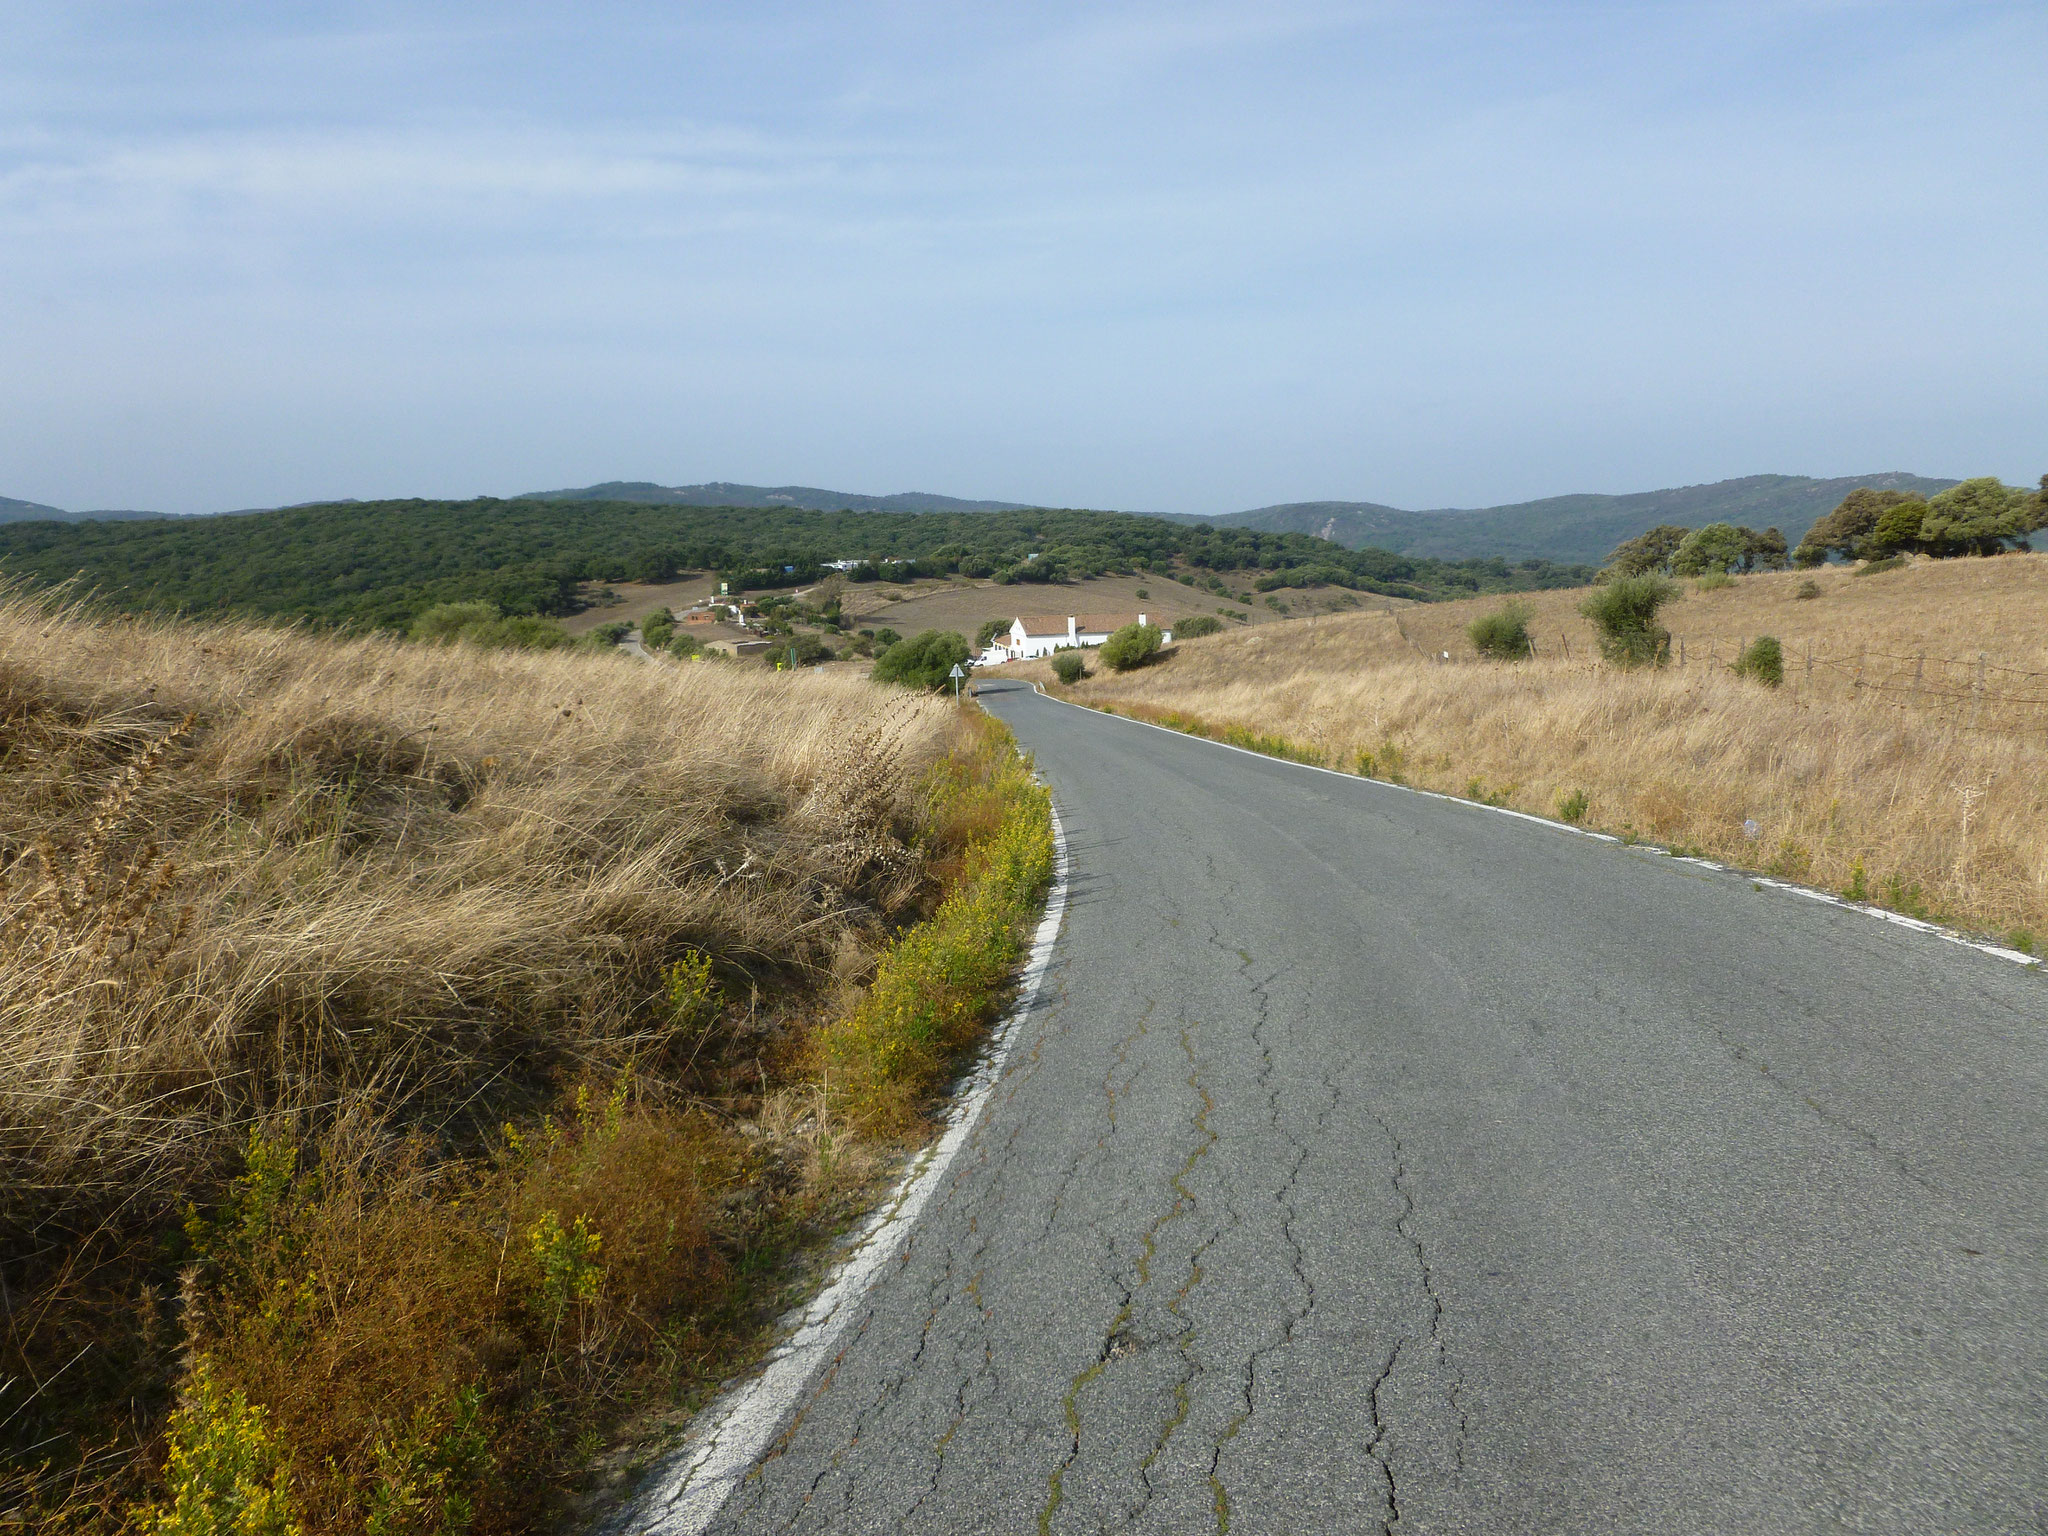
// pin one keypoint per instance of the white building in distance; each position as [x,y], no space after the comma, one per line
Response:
[1036,634]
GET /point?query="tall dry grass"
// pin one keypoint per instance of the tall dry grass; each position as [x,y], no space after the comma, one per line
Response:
[1909,807]
[1963,639]
[378,897]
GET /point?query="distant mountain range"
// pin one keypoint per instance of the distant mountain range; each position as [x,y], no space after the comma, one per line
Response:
[723,493]
[1570,528]
[1562,528]
[12,511]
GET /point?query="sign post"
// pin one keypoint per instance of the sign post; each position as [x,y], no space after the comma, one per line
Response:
[956,674]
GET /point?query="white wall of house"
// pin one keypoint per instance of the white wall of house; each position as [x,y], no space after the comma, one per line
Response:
[1027,644]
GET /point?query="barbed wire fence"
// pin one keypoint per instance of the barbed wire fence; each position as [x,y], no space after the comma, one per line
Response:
[1970,692]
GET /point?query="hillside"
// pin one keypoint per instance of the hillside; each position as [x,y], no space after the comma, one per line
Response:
[724,493]
[12,511]
[1904,759]
[481,997]
[381,563]
[1573,528]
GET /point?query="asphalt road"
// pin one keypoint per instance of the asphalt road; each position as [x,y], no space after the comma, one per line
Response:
[1377,1162]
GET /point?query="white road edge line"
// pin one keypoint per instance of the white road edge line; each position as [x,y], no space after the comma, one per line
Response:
[728,1437]
[1828,897]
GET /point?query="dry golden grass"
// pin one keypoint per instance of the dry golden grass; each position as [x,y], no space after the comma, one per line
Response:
[376,897]
[1892,794]
[1967,639]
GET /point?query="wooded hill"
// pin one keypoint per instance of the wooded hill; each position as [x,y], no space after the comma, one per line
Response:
[728,493]
[1570,528]
[380,563]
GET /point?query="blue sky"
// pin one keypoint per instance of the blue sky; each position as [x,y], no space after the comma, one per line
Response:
[1185,257]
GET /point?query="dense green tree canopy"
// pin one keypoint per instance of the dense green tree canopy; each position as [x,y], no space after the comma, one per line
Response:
[385,563]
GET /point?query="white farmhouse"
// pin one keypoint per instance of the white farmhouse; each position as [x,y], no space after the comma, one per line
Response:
[1036,634]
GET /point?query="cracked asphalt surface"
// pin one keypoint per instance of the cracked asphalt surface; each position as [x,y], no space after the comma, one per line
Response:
[1377,1163]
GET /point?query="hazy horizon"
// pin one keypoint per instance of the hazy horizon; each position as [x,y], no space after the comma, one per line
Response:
[1164,258]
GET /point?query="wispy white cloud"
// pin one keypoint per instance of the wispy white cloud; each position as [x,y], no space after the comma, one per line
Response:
[987,246]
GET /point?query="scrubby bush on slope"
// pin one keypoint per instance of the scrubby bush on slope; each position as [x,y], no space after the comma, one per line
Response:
[1502,634]
[1624,613]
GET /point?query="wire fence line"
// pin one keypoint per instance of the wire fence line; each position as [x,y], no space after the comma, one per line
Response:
[1970,692]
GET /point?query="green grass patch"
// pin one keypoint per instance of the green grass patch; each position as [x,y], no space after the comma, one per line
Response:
[942,982]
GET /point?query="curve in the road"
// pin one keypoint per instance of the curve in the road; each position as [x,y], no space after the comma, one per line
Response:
[1376,1162]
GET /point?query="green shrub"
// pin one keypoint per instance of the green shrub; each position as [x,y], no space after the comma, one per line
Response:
[1131,647]
[1858,888]
[1572,807]
[480,623]
[657,629]
[1143,593]
[1762,659]
[1808,589]
[1713,581]
[227,1475]
[923,661]
[940,982]
[2021,939]
[445,621]
[1268,745]
[1718,547]
[683,643]
[1624,612]
[805,650]
[1502,634]
[1904,896]
[1068,667]
[1197,625]
[1879,567]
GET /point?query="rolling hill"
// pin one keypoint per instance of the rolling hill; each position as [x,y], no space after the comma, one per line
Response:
[1571,528]
[12,511]
[724,493]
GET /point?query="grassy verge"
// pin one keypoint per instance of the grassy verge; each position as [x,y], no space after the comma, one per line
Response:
[1230,732]
[939,985]
[413,1062]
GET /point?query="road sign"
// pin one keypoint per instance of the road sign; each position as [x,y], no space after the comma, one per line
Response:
[956,674]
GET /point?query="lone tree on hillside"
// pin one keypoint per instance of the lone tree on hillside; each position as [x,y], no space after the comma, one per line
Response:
[923,661]
[1647,552]
[1716,547]
[1728,547]
[1624,612]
